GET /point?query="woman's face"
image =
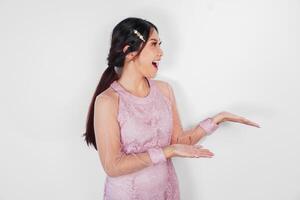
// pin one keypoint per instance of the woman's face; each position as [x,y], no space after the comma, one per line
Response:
[148,61]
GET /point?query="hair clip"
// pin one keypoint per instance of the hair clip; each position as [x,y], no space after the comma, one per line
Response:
[139,35]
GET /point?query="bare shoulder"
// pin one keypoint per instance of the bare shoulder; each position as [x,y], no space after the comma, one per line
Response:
[108,99]
[164,86]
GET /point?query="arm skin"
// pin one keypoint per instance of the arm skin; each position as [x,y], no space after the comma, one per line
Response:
[190,136]
[115,162]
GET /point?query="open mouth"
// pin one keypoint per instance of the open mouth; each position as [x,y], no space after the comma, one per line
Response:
[155,64]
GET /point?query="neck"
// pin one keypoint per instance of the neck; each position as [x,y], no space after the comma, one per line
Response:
[133,81]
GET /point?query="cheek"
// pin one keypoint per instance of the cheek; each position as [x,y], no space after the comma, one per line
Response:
[144,65]
[146,60]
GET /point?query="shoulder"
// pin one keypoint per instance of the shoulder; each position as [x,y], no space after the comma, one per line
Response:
[164,86]
[108,99]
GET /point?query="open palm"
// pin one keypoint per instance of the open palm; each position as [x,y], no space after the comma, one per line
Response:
[185,150]
[227,116]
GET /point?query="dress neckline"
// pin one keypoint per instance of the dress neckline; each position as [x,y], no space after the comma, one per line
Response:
[117,86]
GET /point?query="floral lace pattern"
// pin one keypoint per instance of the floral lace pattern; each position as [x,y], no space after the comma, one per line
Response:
[145,122]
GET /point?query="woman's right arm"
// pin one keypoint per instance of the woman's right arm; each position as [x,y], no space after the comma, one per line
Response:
[114,161]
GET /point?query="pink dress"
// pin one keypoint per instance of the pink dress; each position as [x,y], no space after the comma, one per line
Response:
[145,123]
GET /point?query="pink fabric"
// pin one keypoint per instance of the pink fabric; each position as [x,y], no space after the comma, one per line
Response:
[145,126]
[157,155]
[208,126]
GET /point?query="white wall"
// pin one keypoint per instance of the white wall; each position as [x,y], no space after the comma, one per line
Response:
[238,56]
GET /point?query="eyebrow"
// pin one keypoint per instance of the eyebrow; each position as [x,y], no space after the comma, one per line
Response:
[154,39]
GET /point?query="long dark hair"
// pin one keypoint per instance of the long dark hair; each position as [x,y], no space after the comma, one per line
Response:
[122,35]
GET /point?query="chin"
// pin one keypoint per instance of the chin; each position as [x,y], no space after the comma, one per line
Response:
[153,75]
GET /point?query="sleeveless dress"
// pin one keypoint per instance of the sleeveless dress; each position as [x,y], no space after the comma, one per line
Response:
[145,122]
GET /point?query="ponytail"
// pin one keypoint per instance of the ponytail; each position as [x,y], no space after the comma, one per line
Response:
[123,34]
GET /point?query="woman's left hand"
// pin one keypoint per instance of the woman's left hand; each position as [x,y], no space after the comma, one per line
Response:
[227,116]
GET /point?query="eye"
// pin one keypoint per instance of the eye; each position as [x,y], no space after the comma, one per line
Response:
[155,43]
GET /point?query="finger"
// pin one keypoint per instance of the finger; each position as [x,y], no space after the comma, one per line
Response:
[203,150]
[205,156]
[205,153]
[248,122]
[198,146]
[200,153]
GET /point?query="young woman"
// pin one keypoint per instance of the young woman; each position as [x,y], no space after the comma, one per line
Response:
[133,121]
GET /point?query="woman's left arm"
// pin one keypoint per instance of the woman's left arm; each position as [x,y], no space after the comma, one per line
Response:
[192,136]
[205,127]
[180,136]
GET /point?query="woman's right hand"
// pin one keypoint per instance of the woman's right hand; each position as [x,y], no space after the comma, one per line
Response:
[185,150]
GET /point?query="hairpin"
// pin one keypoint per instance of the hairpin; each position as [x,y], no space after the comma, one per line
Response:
[139,35]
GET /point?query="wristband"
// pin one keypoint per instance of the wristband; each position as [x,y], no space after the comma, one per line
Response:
[208,126]
[156,155]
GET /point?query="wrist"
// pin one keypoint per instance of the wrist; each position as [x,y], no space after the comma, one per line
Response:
[156,155]
[169,151]
[208,125]
[217,119]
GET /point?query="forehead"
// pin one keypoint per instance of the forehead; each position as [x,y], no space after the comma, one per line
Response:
[154,36]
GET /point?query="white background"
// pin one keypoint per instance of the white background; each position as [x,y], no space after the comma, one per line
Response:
[237,56]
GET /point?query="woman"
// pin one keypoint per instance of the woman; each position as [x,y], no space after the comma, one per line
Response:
[134,123]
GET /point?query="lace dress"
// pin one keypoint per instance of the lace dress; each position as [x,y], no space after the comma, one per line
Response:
[130,133]
[145,124]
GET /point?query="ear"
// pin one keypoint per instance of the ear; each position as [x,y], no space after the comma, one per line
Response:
[125,48]
[131,55]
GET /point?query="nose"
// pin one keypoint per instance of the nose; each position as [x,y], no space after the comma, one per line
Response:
[161,53]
